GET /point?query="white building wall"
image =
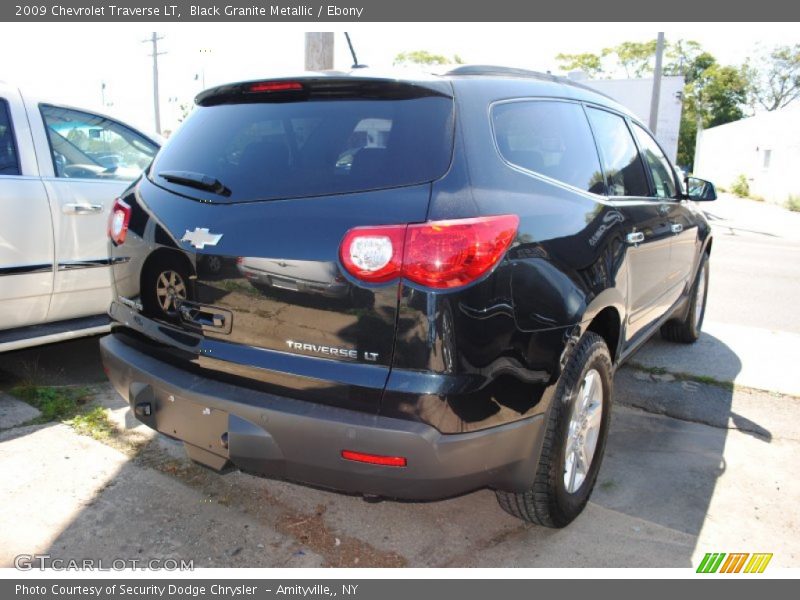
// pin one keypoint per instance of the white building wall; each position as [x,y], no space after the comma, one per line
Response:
[636,94]
[764,148]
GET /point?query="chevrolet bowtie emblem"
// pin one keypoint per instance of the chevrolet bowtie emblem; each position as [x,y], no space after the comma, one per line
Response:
[201,237]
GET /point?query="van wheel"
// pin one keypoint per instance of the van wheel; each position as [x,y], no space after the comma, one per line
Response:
[687,331]
[574,440]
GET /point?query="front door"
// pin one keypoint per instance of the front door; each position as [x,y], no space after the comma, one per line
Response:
[93,159]
[648,234]
[682,217]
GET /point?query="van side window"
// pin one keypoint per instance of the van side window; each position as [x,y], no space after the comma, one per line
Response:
[625,175]
[551,138]
[88,146]
[9,165]
[660,169]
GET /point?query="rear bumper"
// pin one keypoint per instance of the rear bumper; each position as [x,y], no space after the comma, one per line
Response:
[280,437]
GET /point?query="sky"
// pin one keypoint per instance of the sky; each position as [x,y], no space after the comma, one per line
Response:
[69,62]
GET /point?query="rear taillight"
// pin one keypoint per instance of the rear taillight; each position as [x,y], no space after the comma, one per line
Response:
[118,222]
[437,254]
[374,254]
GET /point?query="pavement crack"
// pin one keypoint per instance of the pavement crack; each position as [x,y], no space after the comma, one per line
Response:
[757,432]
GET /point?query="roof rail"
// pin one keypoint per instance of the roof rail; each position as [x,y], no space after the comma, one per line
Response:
[492,70]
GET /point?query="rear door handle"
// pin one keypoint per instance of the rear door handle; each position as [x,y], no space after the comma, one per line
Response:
[81,209]
[676,228]
[635,238]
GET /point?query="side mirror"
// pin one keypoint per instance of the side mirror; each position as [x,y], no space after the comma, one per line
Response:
[700,190]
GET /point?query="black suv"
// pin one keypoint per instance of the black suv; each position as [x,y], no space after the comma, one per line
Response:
[422,286]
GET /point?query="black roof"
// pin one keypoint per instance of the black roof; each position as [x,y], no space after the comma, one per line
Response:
[495,71]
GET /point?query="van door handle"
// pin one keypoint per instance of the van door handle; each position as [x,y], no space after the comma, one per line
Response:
[634,238]
[81,209]
[676,228]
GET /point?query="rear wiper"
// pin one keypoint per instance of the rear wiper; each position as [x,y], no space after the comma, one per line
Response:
[196,180]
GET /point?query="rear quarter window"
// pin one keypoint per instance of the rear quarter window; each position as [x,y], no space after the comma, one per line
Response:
[273,150]
[551,138]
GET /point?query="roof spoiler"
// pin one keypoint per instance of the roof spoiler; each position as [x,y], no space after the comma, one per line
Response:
[319,86]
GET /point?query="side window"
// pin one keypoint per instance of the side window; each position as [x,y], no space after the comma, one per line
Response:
[89,146]
[661,170]
[624,171]
[551,138]
[9,165]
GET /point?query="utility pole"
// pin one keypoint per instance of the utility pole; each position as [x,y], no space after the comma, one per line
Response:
[656,82]
[319,51]
[157,111]
[103,94]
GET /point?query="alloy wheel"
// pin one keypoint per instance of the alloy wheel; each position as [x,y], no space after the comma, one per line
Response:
[584,431]
[170,290]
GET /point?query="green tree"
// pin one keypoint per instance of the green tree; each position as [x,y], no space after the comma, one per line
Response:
[687,58]
[636,58]
[586,62]
[423,57]
[775,78]
[715,95]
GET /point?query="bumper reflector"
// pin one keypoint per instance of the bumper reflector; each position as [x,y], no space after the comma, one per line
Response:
[374,459]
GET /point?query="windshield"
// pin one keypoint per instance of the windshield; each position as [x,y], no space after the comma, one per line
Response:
[271,150]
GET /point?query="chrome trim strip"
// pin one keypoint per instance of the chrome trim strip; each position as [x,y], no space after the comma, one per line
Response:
[26,269]
[92,263]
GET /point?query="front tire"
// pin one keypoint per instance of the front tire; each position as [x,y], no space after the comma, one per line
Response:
[688,330]
[574,442]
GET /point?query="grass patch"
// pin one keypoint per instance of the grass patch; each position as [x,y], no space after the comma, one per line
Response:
[55,403]
[69,405]
[94,423]
[648,369]
[728,385]
[232,285]
[741,187]
[793,203]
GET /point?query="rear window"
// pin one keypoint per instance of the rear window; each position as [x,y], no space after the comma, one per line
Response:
[272,150]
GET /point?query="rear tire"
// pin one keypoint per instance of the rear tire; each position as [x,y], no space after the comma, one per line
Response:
[558,495]
[688,330]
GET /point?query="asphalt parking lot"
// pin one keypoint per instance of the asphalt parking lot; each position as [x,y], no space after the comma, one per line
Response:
[702,457]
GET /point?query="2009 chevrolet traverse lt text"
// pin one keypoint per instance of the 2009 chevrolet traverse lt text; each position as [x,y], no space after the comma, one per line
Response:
[426,284]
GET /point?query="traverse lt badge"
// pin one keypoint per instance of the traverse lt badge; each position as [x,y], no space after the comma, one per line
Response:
[201,237]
